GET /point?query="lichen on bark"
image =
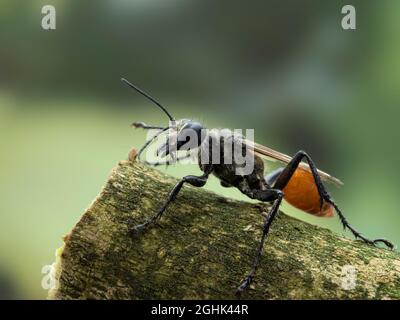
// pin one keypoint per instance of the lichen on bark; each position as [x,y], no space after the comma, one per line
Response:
[204,246]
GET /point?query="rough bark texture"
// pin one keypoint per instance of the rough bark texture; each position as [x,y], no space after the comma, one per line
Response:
[204,246]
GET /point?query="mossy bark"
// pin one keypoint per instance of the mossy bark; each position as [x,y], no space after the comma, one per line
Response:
[204,246]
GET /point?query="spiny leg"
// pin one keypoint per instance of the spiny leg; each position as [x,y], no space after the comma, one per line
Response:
[356,234]
[283,179]
[197,181]
[265,196]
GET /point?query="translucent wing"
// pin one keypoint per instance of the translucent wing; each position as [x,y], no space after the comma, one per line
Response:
[275,155]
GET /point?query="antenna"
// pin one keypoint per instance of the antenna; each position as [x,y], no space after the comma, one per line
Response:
[148,97]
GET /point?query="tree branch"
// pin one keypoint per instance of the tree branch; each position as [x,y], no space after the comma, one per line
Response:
[204,246]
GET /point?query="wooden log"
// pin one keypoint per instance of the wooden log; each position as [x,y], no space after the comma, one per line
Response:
[204,246]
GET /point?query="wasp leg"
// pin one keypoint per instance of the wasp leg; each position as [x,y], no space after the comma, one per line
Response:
[147,143]
[288,172]
[169,161]
[142,125]
[268,195]
[196,181]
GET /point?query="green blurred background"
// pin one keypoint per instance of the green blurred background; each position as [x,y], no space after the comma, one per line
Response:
[285,68]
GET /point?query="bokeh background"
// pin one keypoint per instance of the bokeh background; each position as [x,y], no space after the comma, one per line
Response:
[285,68]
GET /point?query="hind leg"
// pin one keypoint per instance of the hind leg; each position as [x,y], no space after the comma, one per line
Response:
[283,179]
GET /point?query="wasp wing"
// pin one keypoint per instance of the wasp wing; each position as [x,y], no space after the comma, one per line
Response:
[276,155]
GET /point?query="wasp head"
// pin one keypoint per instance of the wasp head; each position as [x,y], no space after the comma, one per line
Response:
[183,134]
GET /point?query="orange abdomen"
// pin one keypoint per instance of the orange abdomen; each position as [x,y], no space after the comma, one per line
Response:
[302,193]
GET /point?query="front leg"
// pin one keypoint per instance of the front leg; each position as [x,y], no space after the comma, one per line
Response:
[147,143]
[196,181]
[140,124]
[168,161]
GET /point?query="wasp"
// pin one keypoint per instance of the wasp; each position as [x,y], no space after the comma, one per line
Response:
[299,182]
